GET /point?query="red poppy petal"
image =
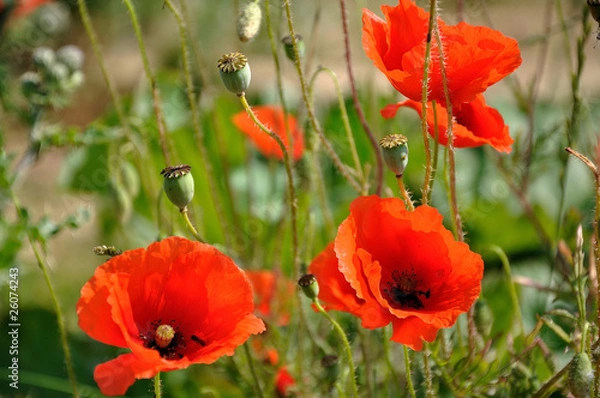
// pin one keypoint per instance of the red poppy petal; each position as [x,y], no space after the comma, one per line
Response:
[272,118]
[412,331]
[334,290]
[116,376]
[476,124]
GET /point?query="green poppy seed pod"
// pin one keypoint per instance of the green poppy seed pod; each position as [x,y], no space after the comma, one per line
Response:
[288,45]
[581,376]
[235,72]
[309,286]
[44,58]
[249,21]
[395,152]
[483,317]
[70,56]
[594,6]
[178,185]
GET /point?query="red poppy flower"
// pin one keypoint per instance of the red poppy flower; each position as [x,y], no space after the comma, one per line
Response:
[273,295]
[272,117]
[476,124]
[403,268]
[475,56]
[283,382]
[173,304]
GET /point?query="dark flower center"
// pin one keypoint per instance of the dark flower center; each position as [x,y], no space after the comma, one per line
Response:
[168,340]
[401,291]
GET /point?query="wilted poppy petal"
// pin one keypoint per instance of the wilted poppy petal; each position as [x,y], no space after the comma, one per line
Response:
[272,118]
[476,124]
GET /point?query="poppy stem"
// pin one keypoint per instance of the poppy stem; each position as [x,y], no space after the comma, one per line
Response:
[188,223]
[407,367]
[309,107]
[59,316]
[405,194]
[424,92]
[357,106]
[450,145]
[157,386]
[290,177]
[193,103]
[160,119]
[253,370]
[345,119]
[345,342]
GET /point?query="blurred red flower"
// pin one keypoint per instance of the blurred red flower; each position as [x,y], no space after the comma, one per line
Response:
[187,288]
[271,117]
[476,124]
[390,265]
[273,294]
[22,7]
[283,382]
[475,56]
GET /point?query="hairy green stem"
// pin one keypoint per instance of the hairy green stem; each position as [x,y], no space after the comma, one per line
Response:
[408,372]
[157,386]
[345,343]
[252,367]
[309,108]
[291,190]
[345,119]
[160,120]
[190,226]
[357,106]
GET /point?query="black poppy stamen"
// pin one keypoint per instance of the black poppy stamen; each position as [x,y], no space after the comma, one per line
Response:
[402,292]
[198,340]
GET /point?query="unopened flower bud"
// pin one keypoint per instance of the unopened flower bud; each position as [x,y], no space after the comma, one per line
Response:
[288,45]
[581,376]
[178,184]
[235,72]
[44,58]
[58,73]
[249,21]
[71,56]
[309,286]
[395,152]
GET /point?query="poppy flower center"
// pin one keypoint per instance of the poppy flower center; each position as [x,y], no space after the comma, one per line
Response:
[401,292]
[166,338]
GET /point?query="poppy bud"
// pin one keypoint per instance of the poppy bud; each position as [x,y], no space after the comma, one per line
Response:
[235,72]
[249,21]
[288,45]
[178,184]
[395,152]
[594,6]
[581,376]
[483,317]
[71,56]
[309,286]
